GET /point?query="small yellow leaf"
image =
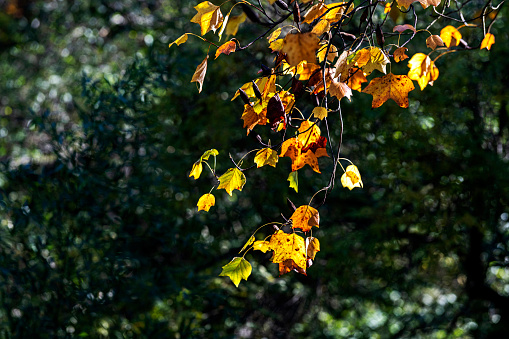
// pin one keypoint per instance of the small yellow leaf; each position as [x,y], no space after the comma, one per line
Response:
[199,74]
[450,36]
[274,35]
[293,178]
[234,23]
[237,269]
[305,217]
[488,41]
[261,246]
[320,112]
[208,153]
[196,170]
[231,180]
[205,202]
[288,247]
[313,246]
[248,243]
[422,69]
[433,41]
[351,178]
[378,60]
[179,41]
[209,17]
[276,45]
[266,156]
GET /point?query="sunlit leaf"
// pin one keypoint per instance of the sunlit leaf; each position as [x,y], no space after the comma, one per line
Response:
[196,170]
[226,48]
[378,60]
[299,47]
[261,246]
[433,41]
[208,153]
[286,247]
[293,178]
[351,178]
[321,27]
[237,269]
[422,69]
[199,74]
[231,180]
[320,112]
[209,17]
[274,35]
[205,202]
[233,24]
[266,156]
[424,3]
[399,54]
[182,39]
[450,36]
[305,217]
[248,243]
[390,86]
[488,41]
[313,247]
[314,12]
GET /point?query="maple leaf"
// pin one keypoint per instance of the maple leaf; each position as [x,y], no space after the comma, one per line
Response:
[209,17]
[233,24]
[199,74]
[424,3]
[286,247]
[488,41]
[450,36]
[300,46]
[351,178]
[334,86]
[378,60]
[237,269]
[433,41]
[399,54]
[390,86]
[293,178]
[320,112]
[305,217]
[266,156]
[313,246]
[422,69]
[205,202]
[261,246]
[231,180]
[226,48]
[196,170]
[182,39]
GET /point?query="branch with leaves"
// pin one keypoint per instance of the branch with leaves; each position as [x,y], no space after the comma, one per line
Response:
[324,52]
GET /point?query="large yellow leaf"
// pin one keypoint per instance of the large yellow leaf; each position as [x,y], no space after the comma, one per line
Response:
[199,74]
[205,202]
[237,269]
[209,17]
[233,179]
[390,86]
[288,247]
[488,40]
[300,46]
[422,69]
[266,156]
[351,178]
[305,217]
[378,60]
[433,41]
[450,36]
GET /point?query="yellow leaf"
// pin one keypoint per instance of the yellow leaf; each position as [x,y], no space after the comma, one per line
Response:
[261,246]
[314,12]
[234,23]
[450,36]
[237,269]
[266,156]
[305,217]
[305,70]
[313,246]
[300,46]
[390,86]
[209,17]
[320,112]
[180,40]
[293,178]
[274,35]
[378,60]
[248,243]
[433,41]
[422,69]
[351,178]
[309,133]
[336,11]
[321,27]
[399,54]
[196,170]
[231,180]
[199,74]
[205,202]
[226,48]
[276,45]
[488,41]
[333,53]
[288,247]
[208,153]
[387,7]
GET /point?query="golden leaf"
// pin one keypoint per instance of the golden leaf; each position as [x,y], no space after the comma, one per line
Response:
[180,40]
[321,27]
[399,54]
[305,217]
[237,269]
[199,74]
[424,3]
[266,156]
[422,69]
[313,246]
[320,112]
[209,17]
[305,70]
[261,246]
[355,79]
[336,11]
[274,35]
[233,24]
[196,170]
[300,46]
[390,86]
[314,12]
[226,48]
[378,60]
[488,41]
[333,53]
[433,41]
[286,247]
[231,180]
[248,243]
[205,202]
[352,178]
[208,153]
[450,36]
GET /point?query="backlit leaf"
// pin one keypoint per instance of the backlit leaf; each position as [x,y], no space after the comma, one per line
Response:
[261,246]
[390,86]
[237,269]
[196,170]
[199,74]
[313,246]
[209,17]
[248,243]
[378,60]
[274,35]
[433,41]
[266,156]
[422,69]
[321,27]
[233,179]
[233,24]
[399,54]
[205,202]
[288,247]
[226,48]
[305,217]
[424,3]
[488,41]
[300,46]
[293,178]
[320,112]
[450,36]
[179,41]
[208,153]
[314,12]
[351,178]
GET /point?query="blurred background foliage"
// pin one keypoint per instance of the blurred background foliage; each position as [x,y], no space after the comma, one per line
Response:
[99,233]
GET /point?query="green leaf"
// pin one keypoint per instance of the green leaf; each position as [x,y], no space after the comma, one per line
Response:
[293,178]
[249,242]
[231,180]
[208,153]
[237,269]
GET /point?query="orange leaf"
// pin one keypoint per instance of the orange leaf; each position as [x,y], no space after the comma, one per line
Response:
[451,36]
[199,74]
[209,17]
[321,27]
[390,86]
[305,217]
[488,41]
[422,69]
[304,70]
[251,118]
[205,202]
[313,246]
[399,54]
[300,46]
[355,79]
[288,247]
[314,12]
[226,48]
[433,41]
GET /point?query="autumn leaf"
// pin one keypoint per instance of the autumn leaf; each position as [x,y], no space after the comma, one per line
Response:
[399,54]
[237,269]
[233,24]
[205,202]
[402,28]
[433,41]
[321,27]
[313,246]
[336,11]
[424,3]
[248,243]
[199,74]
[305,217]
[209,17]
[288,247]
[196,170]
[182,39]
[320,112]
[488,41]
[390,86]
[450,36]
[333,53]
[300,46]
[305,70]
[378,60]
[208,153]
[314,12]
[354,79]
[226,48]
[274,35]
[251,118]
[422,69]
[351,178]
[231,180]
[266,156]
[293,178]
[261,246]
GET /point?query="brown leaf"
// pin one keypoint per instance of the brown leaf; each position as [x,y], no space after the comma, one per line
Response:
[433,41]
[390,86]
[199,74]
[402,28]
[399,54]
[226,48]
